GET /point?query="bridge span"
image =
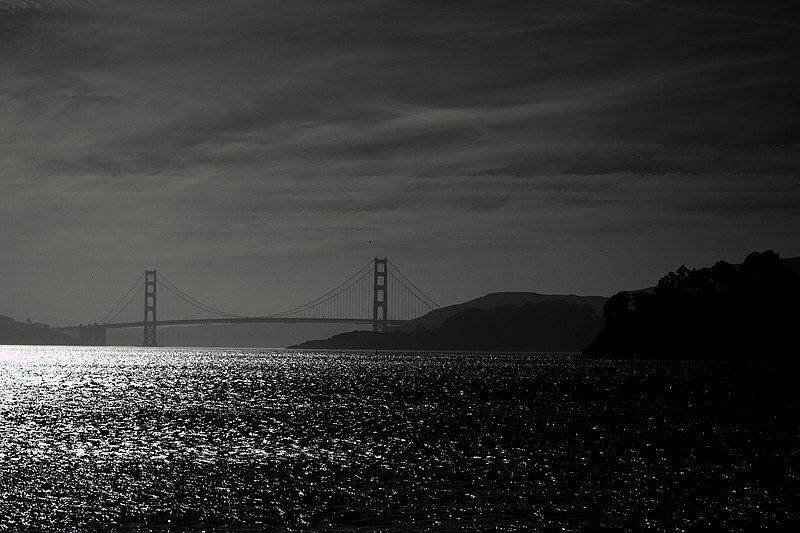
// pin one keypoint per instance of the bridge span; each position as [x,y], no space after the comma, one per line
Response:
[378,294]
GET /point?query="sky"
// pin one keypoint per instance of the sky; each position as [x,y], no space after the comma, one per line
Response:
[259,153]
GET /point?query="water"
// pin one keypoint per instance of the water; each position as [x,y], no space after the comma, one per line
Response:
[131,439]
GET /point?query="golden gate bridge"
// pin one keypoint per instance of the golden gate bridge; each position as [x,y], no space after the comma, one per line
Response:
[378,294]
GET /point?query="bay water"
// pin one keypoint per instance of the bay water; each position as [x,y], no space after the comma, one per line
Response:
[190,439]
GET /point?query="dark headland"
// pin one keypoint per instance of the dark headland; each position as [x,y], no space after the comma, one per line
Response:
[748,311]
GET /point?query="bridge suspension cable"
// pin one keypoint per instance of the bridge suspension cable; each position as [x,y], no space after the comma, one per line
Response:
[338,299]
[182,296]
[412,300]
[396,297]
[123,303]
[172,304]
[354,298]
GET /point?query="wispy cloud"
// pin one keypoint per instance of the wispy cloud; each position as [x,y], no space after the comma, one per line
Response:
[17,6]
[707,12]
[514,132]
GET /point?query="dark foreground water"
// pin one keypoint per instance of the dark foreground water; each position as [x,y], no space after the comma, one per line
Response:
[126,439]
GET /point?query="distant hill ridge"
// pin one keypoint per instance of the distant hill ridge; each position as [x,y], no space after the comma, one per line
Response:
[549,326]
[494,300]
[13,332]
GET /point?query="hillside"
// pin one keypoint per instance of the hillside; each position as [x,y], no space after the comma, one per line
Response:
[725,311]
[494,300]
[550,326]
[13,332]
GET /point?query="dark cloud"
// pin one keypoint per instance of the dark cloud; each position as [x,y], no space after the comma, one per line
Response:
[19,6]
[267,136]
[776,11]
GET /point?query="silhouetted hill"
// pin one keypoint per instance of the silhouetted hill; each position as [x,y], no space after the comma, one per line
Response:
[13,332]
[494,300]
[556,326]
[749,311]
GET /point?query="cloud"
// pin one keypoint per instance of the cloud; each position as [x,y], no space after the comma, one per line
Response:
[17,6]
[445,132]
[708,13]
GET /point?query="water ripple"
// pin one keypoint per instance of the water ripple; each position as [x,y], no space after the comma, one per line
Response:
[127,439]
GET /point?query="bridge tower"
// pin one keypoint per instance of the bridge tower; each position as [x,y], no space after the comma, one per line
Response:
[379,296]
[149,308]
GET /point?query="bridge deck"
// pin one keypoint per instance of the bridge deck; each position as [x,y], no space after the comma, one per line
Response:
[240,320]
